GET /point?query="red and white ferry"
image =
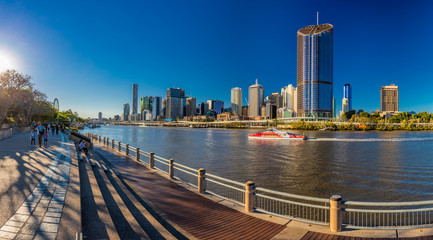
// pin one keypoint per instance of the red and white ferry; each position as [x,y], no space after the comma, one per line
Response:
[273,133]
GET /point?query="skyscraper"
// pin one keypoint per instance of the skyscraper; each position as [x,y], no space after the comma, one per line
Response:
[145,107]
[175,103]
[255,99]
[315,71]
[347,93]
[389,98]
[236,99]
[156,107]
[288,93]
[100,116]
[126,111]
[190,106]
[134,98]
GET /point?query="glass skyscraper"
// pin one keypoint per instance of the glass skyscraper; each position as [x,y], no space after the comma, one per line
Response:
[315,71]
[347,93]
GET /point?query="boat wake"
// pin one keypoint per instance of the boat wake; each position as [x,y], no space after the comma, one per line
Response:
[371,139]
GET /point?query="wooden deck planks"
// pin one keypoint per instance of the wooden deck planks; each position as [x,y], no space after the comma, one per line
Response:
[203,218]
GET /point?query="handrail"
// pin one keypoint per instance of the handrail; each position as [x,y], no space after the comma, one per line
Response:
[323,200]
[225,179]
[387,204]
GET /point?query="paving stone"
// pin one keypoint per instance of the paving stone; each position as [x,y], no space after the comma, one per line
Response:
[24,237]
[14,224]
[30,228]
[10,229]
[41,209]
[35,219]
[49,227]
[51,219]
[39,213]
[24,210]
[46,236]
[43,204]
[53,214]
[59,210]
[56,205]
[19,217]
[7,235]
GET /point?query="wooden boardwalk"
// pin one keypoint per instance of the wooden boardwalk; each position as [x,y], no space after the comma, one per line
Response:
[199,216]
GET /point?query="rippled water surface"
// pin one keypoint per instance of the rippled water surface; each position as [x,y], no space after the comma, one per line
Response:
[370,166]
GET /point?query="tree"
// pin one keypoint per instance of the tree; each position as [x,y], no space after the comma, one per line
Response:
[6,103]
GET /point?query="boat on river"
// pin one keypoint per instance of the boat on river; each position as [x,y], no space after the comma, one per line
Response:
[273,133]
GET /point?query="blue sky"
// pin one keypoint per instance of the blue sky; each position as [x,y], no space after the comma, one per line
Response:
[88,53]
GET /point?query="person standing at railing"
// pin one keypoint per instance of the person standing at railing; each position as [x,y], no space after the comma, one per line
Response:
[33,138]
[45,138]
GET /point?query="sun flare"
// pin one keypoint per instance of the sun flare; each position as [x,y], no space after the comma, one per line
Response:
[5,62]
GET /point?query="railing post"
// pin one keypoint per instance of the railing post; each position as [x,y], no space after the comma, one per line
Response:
[137,154]
[119,147]
[201,180]
[151,160]
[107,142]
[171,168]
[104,140]
[127,149]
[112,143]
[335,215]
[99,139]
[249,196]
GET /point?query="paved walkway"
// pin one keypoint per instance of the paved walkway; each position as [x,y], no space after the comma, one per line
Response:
[34,182]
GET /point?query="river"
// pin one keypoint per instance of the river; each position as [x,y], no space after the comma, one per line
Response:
[366,166]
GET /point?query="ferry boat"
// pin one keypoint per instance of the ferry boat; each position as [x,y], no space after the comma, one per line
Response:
[274,133]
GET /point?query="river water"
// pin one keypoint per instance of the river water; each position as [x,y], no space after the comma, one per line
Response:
[366,166]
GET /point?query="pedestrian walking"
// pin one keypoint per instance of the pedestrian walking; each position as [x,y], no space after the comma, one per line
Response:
[53,128]
[45,138]
[33,138]
[57,129]
[40,129]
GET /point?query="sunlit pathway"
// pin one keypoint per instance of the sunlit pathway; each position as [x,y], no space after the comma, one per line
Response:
[38,215]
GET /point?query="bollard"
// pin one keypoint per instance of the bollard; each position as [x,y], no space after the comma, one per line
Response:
[107,142]
[127,149]
[137,154]
[201,180]
[99,139]
[112,143]
[151,160]
[249,196]
[104,140]
[335,215]
[119,148]
[171,168]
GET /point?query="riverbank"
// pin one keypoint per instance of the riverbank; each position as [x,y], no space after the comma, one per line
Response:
[295,125]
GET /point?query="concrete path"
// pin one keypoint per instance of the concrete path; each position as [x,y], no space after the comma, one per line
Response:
[33,190]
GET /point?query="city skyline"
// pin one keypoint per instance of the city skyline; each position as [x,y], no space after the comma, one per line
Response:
[217,45]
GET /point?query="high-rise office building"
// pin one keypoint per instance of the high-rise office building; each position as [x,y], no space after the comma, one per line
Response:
[347,93]
[175,103]
[134,98]
[126,111]
[156,107]
[146,107]
[288,93]
[315,71]
[389,98]
[255,99]
[236,99]
[218,106]
[100,116]
[345,106]
[190,106]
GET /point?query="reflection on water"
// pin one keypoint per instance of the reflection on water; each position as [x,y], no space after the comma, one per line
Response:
[371,166]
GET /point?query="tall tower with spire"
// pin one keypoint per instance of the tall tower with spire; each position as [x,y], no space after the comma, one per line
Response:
[315,70]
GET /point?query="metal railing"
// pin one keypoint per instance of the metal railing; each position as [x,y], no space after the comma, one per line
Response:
[333,212]
[388,215]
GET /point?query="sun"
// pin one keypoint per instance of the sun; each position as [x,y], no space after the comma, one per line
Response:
[4,63]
